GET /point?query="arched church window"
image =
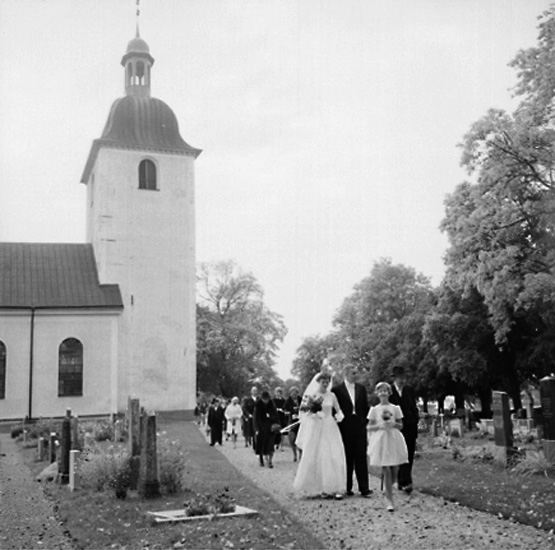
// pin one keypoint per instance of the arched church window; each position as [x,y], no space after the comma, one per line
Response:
[147,174]
[70,372]
[2,370]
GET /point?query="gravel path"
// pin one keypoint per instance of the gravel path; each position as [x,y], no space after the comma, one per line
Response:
[27,520]
[419,520]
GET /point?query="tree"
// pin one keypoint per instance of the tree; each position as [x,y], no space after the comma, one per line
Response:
[310,358]
[381,322]
[501,225]
[237,335]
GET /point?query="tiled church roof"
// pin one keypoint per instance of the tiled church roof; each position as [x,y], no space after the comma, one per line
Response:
[53,275]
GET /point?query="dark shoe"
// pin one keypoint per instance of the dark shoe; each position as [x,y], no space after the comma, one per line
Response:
[270,465]
[349,493]
[366,494]
[408,489]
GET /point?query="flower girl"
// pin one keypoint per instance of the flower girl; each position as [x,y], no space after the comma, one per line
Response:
[386,445]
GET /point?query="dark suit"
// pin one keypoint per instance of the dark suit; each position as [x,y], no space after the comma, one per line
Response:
[407,402]
[353,432]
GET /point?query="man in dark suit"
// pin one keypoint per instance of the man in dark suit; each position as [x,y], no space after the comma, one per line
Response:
[403,396]
[353,401]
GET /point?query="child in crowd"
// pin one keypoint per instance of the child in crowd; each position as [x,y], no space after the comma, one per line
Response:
[386,445]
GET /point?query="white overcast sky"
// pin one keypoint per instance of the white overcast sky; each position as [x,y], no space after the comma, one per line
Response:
[329,127]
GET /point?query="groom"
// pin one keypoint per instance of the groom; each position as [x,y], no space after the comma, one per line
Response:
[353,401]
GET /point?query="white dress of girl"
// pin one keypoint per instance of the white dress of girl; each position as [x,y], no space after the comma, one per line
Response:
[386,447]
[322,468]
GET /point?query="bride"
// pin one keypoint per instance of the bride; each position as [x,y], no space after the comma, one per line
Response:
[322,470]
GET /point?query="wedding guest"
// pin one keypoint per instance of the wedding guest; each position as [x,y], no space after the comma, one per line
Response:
[291,409]
[403,396]
[353,401]
[233,414]
[279,402]
[386,446]
[216,421]
[322,468]
[248,416]
[265,420]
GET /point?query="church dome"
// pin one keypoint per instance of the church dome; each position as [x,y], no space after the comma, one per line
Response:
[137,45]
[145,123]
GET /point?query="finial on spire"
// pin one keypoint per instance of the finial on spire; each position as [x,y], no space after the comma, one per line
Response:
[138,16]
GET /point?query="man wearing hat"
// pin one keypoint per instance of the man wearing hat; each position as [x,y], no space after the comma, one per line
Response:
[403,396]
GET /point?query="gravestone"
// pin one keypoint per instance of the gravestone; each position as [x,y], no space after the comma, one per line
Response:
[75,443]
[502,426]
[435,430]
[41,449]
[65,447]
[547,396]
[134,442]
[52,447]
[456,427]
[73,474]
[148,485]
[117,431]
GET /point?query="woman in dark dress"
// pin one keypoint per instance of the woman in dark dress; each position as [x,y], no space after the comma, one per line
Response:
[265,417]
[279,402]
[291,408]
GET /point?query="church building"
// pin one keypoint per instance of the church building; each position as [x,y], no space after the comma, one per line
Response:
[85,326]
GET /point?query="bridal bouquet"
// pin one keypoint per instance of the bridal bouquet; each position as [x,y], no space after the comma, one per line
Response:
[312,404]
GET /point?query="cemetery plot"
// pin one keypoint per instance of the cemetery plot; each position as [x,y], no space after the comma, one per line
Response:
[170,516]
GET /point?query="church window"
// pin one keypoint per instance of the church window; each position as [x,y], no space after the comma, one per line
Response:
[2,370]
[147,175]
[70,374]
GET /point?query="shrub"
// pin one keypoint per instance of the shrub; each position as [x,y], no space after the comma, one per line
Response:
[104,468]
[171,463]
[534,463]
[202,505]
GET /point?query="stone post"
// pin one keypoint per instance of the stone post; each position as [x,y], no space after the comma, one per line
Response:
[75,444]
[73,474]
[134,442]
[40,449]
[502,426]
[149,485]
[117,431]
[65,447]
[547,396]
[52,447]
[435,431]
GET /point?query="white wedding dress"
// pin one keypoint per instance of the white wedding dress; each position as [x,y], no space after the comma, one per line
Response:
[322,468]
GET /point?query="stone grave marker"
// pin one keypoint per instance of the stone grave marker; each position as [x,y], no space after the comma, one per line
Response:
[134,442]
[73,474]
[65,447]
[52,447]
[502,425]
[75,444]
[148,485]
[41,449]
[547,396]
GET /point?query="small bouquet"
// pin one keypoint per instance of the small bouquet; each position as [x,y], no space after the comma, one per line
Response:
[387,419]
[312,404]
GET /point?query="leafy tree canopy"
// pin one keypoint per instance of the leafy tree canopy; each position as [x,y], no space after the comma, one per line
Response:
[237,335]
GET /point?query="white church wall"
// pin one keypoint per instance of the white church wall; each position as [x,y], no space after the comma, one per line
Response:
[144,241]
[97,331]
[15,333]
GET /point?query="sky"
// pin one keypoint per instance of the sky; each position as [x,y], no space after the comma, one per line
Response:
[329,128]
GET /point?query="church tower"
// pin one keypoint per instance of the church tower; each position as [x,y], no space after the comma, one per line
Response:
[140,221]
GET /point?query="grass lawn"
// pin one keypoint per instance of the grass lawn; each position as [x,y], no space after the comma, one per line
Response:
[483,485]
[99,520]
